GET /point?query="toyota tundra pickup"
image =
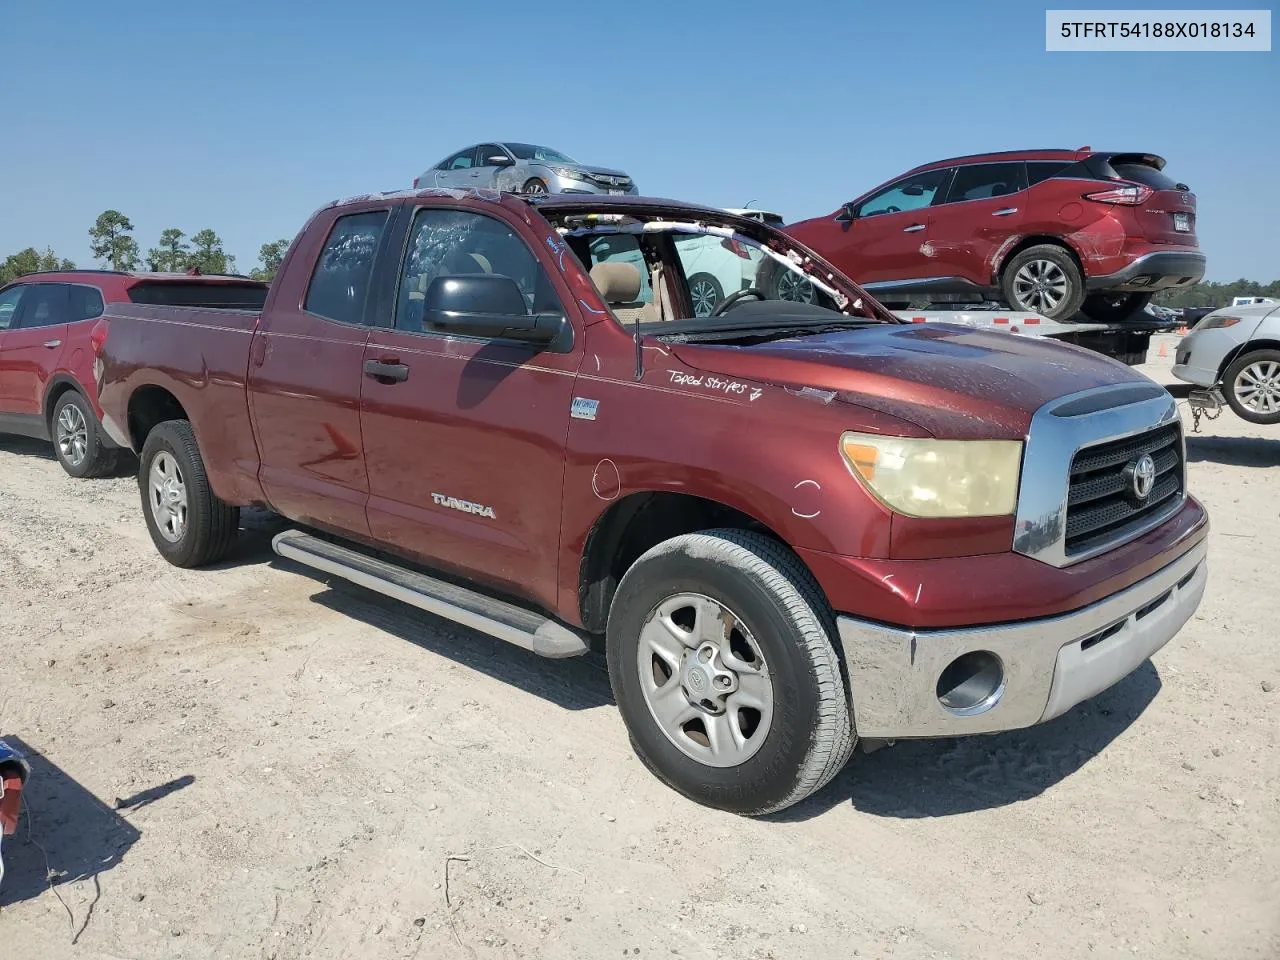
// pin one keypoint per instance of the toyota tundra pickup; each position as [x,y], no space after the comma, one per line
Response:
[787,525]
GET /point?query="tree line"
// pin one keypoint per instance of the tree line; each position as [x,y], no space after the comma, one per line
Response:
[112,243]
[1214,294]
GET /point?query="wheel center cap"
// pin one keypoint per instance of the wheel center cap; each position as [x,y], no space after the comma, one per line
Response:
[698,679]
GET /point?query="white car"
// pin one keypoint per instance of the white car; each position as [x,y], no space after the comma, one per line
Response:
[1237,348]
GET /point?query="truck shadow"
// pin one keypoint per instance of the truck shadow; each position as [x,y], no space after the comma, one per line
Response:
[943,778]
[127,466]
[1234,451]
[579,683]
[65,834]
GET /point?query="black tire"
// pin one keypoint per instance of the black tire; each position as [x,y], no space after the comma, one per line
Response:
[1231,384]
[97,459]
[769,281]
[811,733]
[535,185]
[1073,289]
[210,526]
[714,293]
[1114,307]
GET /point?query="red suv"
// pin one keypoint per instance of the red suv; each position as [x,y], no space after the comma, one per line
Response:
[51,333]
[1048,231]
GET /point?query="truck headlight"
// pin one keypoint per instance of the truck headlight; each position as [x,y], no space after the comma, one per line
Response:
[937,478]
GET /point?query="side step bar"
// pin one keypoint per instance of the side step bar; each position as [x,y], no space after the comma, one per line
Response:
[498,618]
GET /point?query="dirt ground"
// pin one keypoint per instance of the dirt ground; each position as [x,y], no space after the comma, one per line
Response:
[249,762]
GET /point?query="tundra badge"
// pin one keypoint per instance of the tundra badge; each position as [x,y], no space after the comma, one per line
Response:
[466,506]
[583,409]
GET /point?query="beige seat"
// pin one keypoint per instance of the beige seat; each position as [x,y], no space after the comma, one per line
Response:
[619,286]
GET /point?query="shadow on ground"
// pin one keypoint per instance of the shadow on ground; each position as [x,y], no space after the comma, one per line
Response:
[942,778]
[66,834]
[127,466]
[578,683]
[1234,451]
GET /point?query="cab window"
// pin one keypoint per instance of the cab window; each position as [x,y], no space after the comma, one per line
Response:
[911,193]
[9,300]
[445,243]
[44,305]
[340,283]
[982,181]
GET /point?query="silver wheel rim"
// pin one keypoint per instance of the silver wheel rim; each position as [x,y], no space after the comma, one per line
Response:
[1040,286]
[168,496]
[794,288]
[1257,386]
[704,297]
[72,435]
[705,680]
[536,187]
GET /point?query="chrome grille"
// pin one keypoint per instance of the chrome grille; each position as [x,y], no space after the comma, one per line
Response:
[1102,503]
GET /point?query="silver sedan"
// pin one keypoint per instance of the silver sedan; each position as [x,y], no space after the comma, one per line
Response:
[523,168]
[1238,349]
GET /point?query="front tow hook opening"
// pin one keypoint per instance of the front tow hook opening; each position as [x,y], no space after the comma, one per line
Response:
[971,684]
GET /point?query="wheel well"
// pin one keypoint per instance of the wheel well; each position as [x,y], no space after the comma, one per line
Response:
[1035,241]
[55,393]
[1247,347]
[632,526]
[148,408]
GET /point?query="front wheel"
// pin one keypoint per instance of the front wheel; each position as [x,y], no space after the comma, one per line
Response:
[1252,386]
[1044,279]
[706,293]
[534,186]
[722,663]
[189,525]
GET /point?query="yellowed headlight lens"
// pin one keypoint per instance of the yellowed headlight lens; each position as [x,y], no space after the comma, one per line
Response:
[937,478]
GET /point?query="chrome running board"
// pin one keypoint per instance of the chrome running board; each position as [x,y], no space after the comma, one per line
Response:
[498,618]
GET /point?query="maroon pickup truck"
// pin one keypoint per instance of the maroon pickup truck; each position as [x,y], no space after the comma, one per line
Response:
[788,525]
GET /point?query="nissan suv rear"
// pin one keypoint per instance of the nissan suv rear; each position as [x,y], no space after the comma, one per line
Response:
[1047,231]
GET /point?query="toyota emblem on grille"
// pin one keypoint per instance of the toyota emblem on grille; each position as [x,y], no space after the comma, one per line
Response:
[1141,474]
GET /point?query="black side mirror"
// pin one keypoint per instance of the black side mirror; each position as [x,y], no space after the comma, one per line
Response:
[847,214]
[486,305]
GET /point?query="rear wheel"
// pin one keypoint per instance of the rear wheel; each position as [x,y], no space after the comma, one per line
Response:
[779,283]
[1043,279]
[189,525]
[722,663]
[1114,307]
[534,186]
[1252,386]
[77,438]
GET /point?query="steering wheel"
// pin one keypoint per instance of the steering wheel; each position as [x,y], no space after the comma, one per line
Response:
[892,209]
[733,298]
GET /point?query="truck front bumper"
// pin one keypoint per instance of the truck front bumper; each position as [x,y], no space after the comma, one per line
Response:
[1031,671]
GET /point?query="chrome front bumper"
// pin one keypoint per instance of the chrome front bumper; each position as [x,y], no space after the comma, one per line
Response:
[1050,664]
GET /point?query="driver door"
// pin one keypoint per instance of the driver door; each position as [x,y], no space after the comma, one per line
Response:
[885,242]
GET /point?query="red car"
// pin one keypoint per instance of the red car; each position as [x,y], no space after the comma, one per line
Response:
[1047,231]
[51,332]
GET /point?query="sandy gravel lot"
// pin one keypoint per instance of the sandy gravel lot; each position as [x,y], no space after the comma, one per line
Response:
[249,762]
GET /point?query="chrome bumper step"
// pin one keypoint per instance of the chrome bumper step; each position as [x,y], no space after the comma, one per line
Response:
[498,618]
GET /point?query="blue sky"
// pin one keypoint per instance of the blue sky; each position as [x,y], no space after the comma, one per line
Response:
[245,117]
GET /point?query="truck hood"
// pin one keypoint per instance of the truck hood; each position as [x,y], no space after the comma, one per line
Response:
[952,381]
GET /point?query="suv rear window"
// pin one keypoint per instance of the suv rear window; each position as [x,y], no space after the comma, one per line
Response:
[1143,173]
[231,296]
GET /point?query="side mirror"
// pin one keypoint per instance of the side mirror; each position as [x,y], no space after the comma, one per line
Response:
[485,305]
[847,214]
[498,160]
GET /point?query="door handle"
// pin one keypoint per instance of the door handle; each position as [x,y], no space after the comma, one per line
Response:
[386,372]
[51,344]
[914,228]
[1005,212]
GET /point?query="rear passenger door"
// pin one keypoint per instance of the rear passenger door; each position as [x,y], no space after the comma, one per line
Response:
[305,376]
[983,209]
[466,445]
[31,349]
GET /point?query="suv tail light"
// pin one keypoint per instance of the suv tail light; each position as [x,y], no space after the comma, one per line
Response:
[1130,195]
[735,247]
[98,337]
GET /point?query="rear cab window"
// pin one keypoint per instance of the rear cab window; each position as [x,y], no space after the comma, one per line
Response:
[341,281]
[83,302]
[180,293]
